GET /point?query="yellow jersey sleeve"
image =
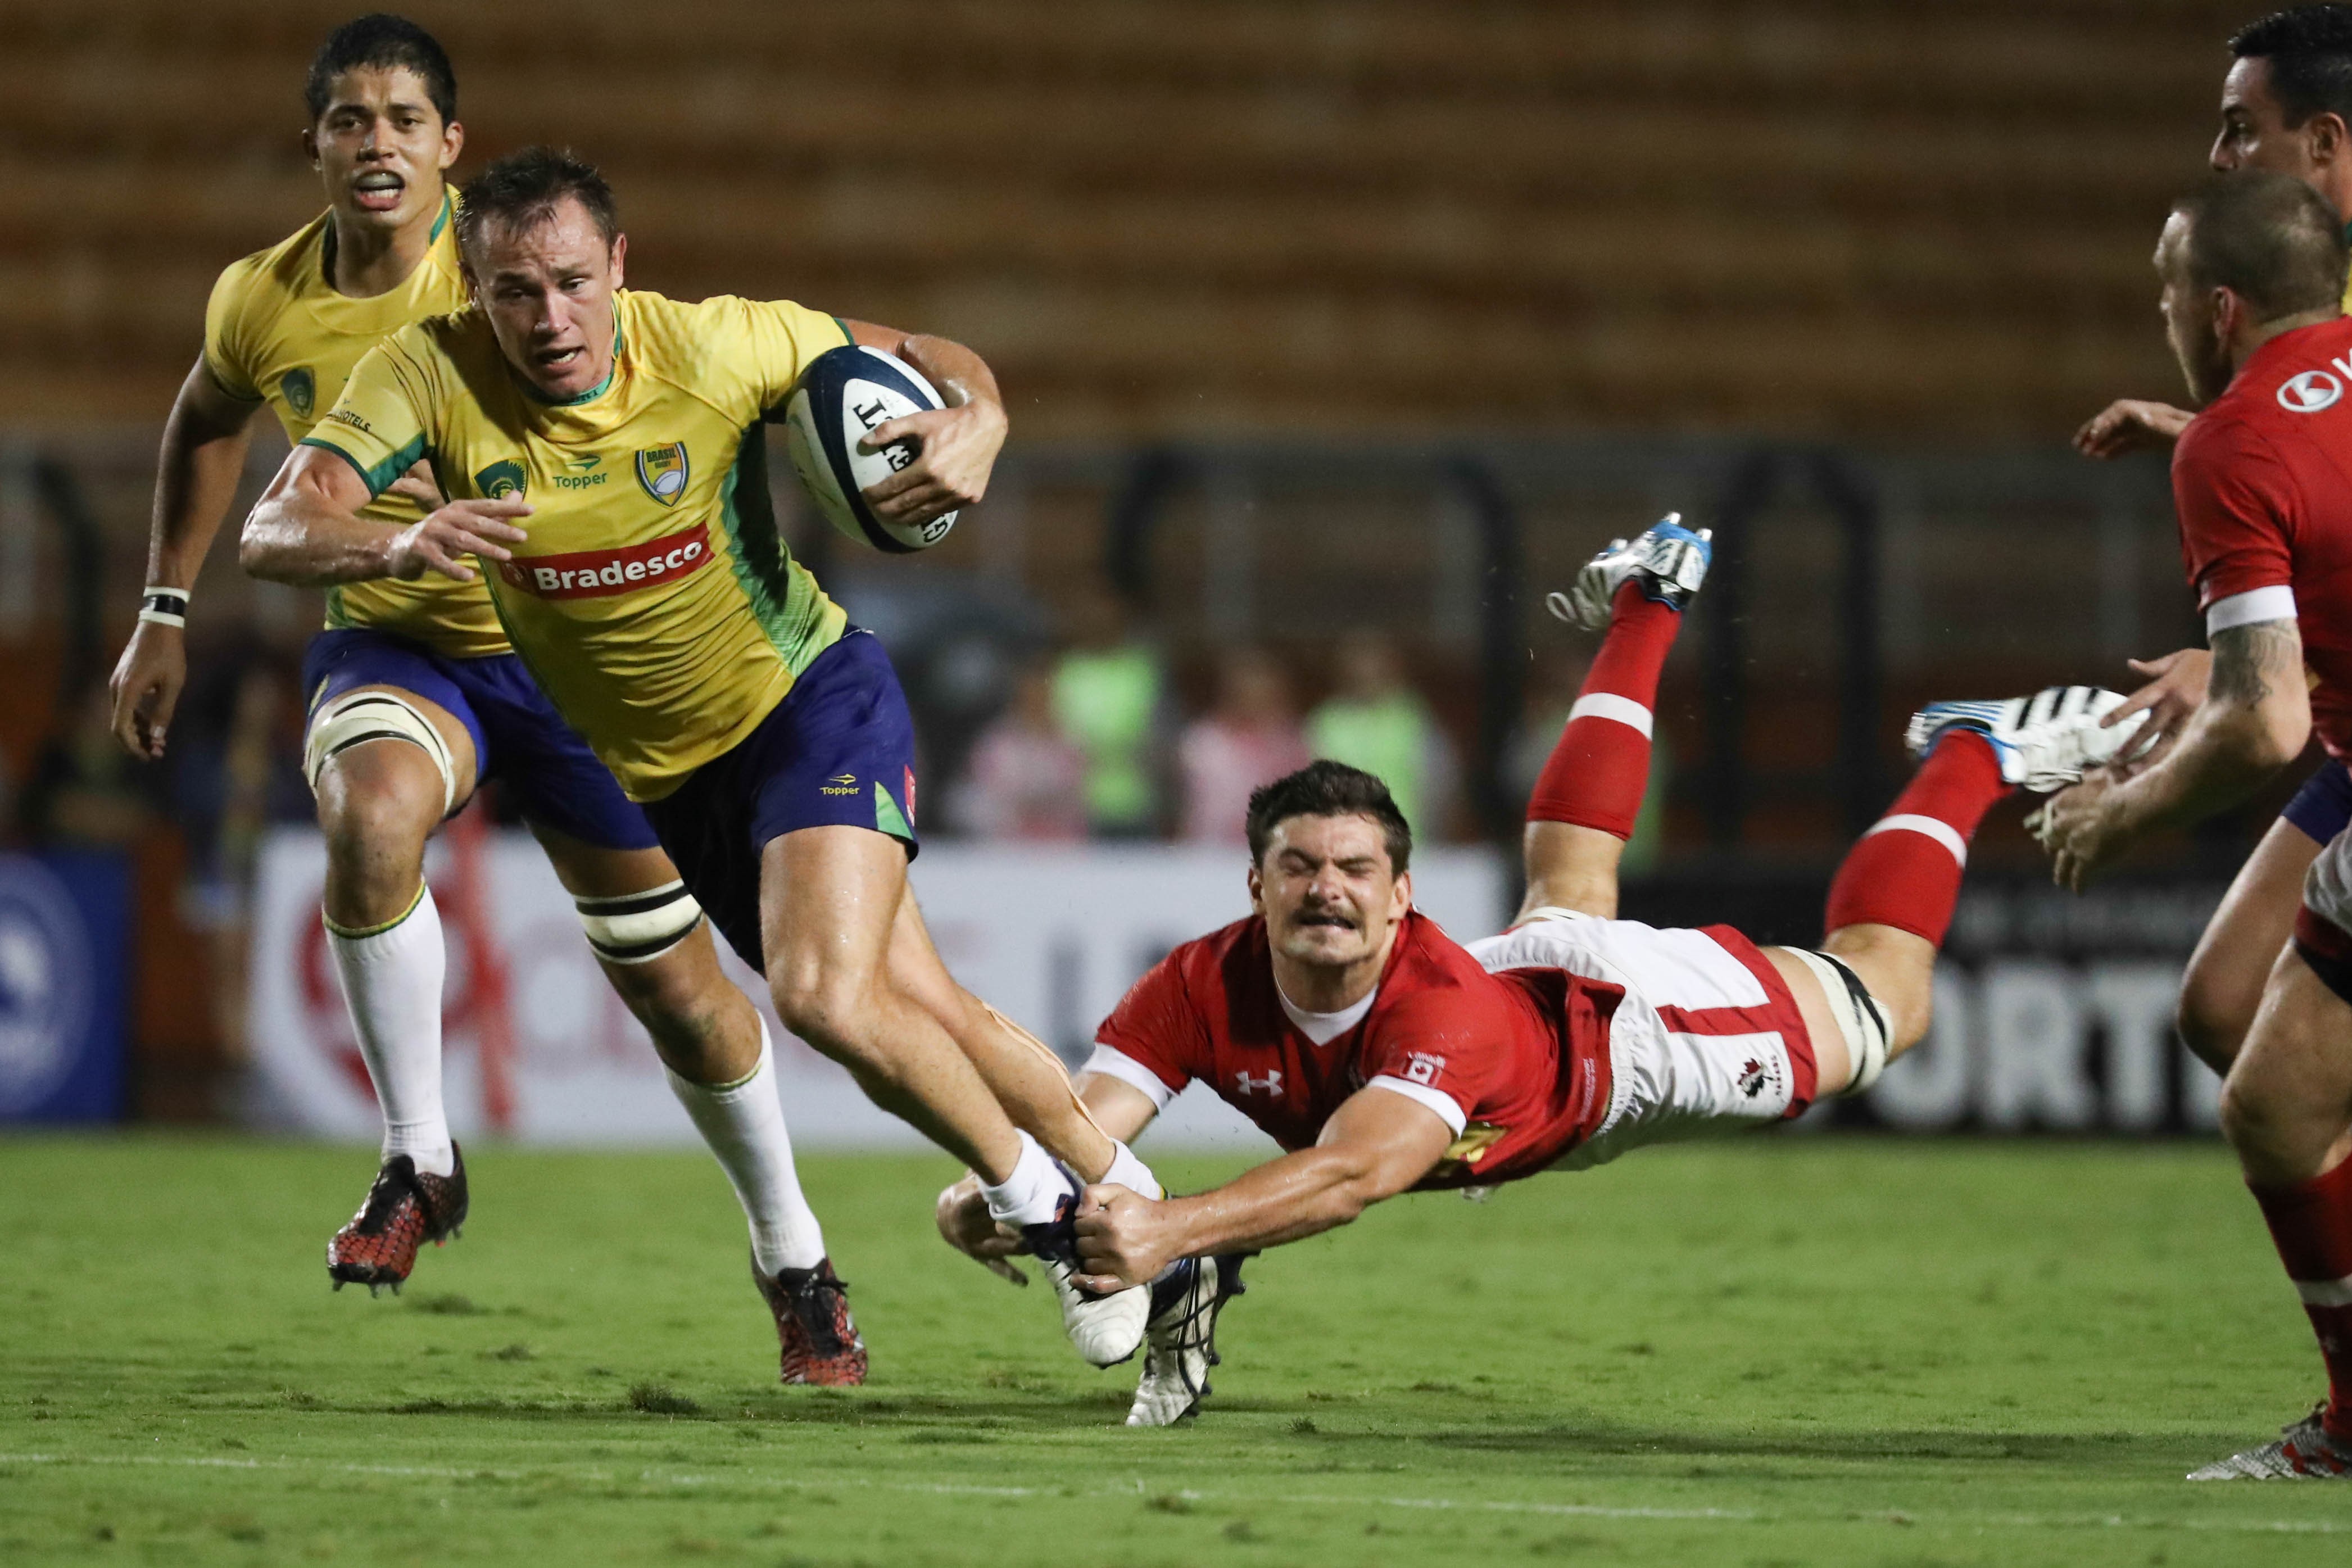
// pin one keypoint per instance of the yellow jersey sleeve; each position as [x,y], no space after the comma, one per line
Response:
[773,342]
[228,353]
[381,424]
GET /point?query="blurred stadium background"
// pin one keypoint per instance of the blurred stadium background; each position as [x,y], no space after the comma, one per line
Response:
[1334,334]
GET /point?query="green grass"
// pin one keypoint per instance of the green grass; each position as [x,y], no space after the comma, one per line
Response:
[1786,1351]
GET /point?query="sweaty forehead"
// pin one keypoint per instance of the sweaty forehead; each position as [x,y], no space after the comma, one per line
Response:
[1348,837]
[378,87]
[2247,88]
[564,240]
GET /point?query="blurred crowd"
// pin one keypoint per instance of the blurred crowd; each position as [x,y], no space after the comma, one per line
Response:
[1094,742]
[1089,737]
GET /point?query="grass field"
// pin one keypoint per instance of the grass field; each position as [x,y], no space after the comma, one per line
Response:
[1777,1352]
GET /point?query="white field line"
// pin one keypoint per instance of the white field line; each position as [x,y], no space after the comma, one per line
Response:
[1138,1488]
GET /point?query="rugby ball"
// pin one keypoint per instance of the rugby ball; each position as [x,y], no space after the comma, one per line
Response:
[842,396]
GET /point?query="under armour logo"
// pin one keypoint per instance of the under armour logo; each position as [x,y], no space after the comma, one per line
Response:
[1270,1084]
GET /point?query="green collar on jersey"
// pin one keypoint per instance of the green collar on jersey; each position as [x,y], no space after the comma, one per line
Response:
[595,392]
[440,222]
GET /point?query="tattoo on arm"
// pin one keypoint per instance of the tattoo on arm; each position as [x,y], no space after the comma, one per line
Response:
[2252,662]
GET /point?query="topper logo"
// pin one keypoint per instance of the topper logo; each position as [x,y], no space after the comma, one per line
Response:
[588,573]
[2309,391]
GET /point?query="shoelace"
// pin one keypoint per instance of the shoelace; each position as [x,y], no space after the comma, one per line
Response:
[1196,1329]
[383,1196]
[820,1318]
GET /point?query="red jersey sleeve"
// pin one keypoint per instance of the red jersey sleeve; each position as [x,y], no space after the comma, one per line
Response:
[1443,1048]
[2238,505]
[1157,1025]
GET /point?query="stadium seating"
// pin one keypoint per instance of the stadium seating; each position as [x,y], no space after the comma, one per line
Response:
[1232,216]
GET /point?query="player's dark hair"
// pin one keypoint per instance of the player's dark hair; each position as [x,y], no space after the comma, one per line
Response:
[526,187]
[2269,238]
[1326,788]
[382,42]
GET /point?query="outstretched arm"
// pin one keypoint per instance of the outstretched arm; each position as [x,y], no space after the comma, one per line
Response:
[1120,1110]
[306,530]
[1376,1145]
[195,478]
[2255,721]
[2131,425]
[959,443]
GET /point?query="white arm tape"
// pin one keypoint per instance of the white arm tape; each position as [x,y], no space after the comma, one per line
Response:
[2273,603]
[359,716]
[1133,1073]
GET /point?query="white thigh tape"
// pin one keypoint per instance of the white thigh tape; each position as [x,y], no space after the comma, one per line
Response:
[637,927]
[364,716]
[1859,1019]
[2328,885]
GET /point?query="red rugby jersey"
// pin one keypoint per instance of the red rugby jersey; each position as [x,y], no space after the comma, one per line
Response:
[2262,482]
[1520,1059]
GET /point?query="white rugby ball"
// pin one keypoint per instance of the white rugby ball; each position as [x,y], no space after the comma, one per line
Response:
[842,396]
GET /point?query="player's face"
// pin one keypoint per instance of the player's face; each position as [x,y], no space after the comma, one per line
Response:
[2254,132]
[2189,323]
[1330,897]
[382,148]
[547,287]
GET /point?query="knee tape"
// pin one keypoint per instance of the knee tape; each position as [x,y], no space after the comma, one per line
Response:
[362,716]
[637,927]
[1861,1020]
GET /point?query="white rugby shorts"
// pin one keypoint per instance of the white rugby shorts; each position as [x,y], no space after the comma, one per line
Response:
[1707,1040]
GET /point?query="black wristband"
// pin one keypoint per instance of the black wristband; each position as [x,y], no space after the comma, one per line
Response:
[165,606]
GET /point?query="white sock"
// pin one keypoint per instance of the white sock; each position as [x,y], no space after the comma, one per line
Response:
[743,1123]
[392,981]
[1132,1174]
[1032,1193]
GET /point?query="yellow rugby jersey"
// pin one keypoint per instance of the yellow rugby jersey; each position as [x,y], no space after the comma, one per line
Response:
[275,329]
[655,602]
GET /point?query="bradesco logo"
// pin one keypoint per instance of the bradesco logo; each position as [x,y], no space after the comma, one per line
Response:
[587,573]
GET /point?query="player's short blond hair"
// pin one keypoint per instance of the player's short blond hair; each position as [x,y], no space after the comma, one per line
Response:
[2268,238]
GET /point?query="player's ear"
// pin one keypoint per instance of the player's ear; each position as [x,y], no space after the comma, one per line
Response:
[1256,889]
[1404,891]
[310,147]
[2324,134]
[453,142]
[2229,314]
[620,254]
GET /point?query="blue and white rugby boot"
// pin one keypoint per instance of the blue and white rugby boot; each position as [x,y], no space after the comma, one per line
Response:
[1668,561]
[1180,1343]
[1105,1329]
[2305,1451]
[2044,742]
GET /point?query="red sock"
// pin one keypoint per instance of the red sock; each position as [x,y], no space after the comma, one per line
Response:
[2312,1227]
[1598,771]
[1906,870]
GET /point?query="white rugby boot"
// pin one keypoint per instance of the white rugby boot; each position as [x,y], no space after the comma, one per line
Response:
[1182,1339]
[2044,742]
[2303,1452]
[1668,560]
[1106,1329]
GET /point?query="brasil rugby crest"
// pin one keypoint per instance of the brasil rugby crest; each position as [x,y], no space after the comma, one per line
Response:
[300,389]
[662,470]
[501,480]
